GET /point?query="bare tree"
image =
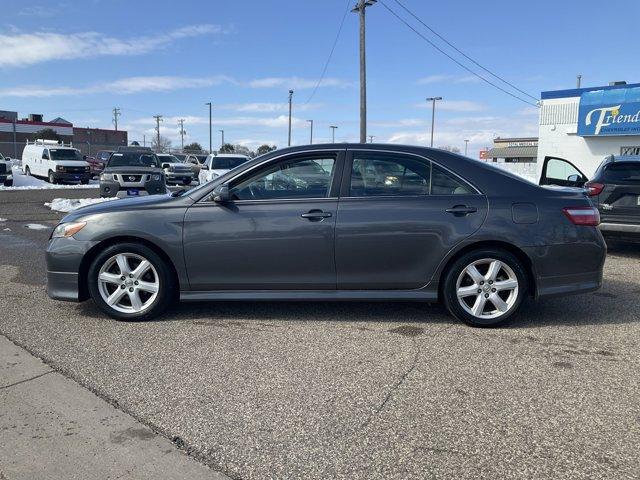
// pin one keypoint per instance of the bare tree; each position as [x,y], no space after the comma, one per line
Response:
[450,148]
[163,146]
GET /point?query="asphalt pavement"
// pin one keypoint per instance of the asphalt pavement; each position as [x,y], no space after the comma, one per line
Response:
[353,390]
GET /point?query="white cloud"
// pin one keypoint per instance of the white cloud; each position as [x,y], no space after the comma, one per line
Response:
[21,49]
[297,83]
[442,78]
[281,121]
[264,107]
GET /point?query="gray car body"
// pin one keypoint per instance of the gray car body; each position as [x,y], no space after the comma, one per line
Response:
[371,248]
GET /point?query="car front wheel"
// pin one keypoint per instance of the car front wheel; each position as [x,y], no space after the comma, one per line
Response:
[484,288]
[52,177]
[130,281]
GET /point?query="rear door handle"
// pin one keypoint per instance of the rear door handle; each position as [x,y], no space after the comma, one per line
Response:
[315,215]
[461,210]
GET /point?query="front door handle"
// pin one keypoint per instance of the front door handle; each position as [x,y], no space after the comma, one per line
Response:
[316,215]
[461,210]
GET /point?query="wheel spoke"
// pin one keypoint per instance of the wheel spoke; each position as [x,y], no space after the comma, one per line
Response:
[136,303]
[123,265]
[109,278]
[115,297]
[469,291]
[148,287]
[478,306]
[494,269]
[509,284]
[475,275]
[500,304]
[141,269]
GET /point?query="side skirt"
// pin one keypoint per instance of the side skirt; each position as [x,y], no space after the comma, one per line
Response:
[313,295]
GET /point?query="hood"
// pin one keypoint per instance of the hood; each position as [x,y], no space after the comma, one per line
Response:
[119,205]
[132,169]
[71,163]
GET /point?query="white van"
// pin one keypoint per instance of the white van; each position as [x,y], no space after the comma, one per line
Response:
[57,162]
[219,164]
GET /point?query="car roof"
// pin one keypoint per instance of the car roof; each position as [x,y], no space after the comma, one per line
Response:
[134,149]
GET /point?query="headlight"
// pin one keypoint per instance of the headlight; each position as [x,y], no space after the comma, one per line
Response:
[59,168]
[87,168]
[106,177]
[67,229]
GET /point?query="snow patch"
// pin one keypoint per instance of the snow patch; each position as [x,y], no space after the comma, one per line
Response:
[71,204]
[36,226]
[3,220]
[28,182]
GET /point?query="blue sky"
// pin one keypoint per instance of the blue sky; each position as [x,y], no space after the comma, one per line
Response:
[79,59]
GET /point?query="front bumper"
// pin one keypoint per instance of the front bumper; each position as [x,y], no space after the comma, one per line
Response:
[64,259]
[178,177]
[63,286]
[110,188]
[4,177]
[72,177]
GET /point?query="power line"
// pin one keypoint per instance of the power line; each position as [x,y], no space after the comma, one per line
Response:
[326,65]
[462,53]
[453,59]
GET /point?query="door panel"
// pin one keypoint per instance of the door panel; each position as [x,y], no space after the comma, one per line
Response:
[561,172]
[260,245]
[397,243]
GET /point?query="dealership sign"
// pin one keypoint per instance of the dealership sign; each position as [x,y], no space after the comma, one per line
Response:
[609,112]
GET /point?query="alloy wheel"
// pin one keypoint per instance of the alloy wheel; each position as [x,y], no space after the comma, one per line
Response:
[128,283]
[487,288]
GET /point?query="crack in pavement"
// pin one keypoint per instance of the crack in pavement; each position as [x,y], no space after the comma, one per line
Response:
[26,380]
[402,379]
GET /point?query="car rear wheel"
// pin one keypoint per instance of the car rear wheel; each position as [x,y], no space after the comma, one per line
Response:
[484,288]
[27,171]
[129,281]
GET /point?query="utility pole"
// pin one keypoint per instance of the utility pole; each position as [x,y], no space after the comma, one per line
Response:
[182,132]
[144,140]
[578,81]
[360,8]
[466,145]
[371,137]
[116,114]
[333,133]
[290,102]
[311,134]
[158,120]
[222,135]
[210,138]
[433,114]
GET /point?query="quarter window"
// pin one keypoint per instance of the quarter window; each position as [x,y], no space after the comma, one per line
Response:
[296,178]
[445,183]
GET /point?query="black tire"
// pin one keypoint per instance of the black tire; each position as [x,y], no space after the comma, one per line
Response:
[27,171]
[8,183]
[167,285]
[84,182]
[51,178]
[450,279]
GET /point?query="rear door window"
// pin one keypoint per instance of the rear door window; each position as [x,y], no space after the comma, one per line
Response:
[622,173]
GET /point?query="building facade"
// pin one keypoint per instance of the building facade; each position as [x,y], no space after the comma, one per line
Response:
[518,155]
[15,132]
[585,125]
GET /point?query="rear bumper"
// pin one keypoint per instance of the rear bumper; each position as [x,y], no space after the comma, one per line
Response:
[569,284]
[623,228]
[63,286]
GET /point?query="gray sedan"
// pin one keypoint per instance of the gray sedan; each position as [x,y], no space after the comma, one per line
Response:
[335,222]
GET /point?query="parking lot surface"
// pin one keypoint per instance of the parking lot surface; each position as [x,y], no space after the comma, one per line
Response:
[352,390]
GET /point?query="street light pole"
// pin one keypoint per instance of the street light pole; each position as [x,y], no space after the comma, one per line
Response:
[433,114]
[222,135]
[311,134]
[466,145]
[360,8]
[371,137]
[290,102]
[210,132]
[333,133]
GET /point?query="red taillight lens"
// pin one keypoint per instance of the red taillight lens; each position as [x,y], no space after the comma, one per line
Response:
[593,188]
[588,216]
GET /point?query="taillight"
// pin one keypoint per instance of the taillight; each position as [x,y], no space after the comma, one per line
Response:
[588,216]
[594,188]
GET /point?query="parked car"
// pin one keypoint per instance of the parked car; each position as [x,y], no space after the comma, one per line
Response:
[132,172]
[614,188]
[218,164]
[174,170]
[101,158]
[195,162]
[6,172]
[387,223]
[57,162]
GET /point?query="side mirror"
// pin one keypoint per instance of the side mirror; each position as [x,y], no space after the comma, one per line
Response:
[574,178]
[221,194]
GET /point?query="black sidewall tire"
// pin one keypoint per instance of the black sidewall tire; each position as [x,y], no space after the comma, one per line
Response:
[8,183]
[27,171]
[166,292]
[449,287]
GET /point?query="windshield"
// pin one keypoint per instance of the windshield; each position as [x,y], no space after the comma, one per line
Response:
[134,159]
[168,159]
[64,154]
[227,163]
